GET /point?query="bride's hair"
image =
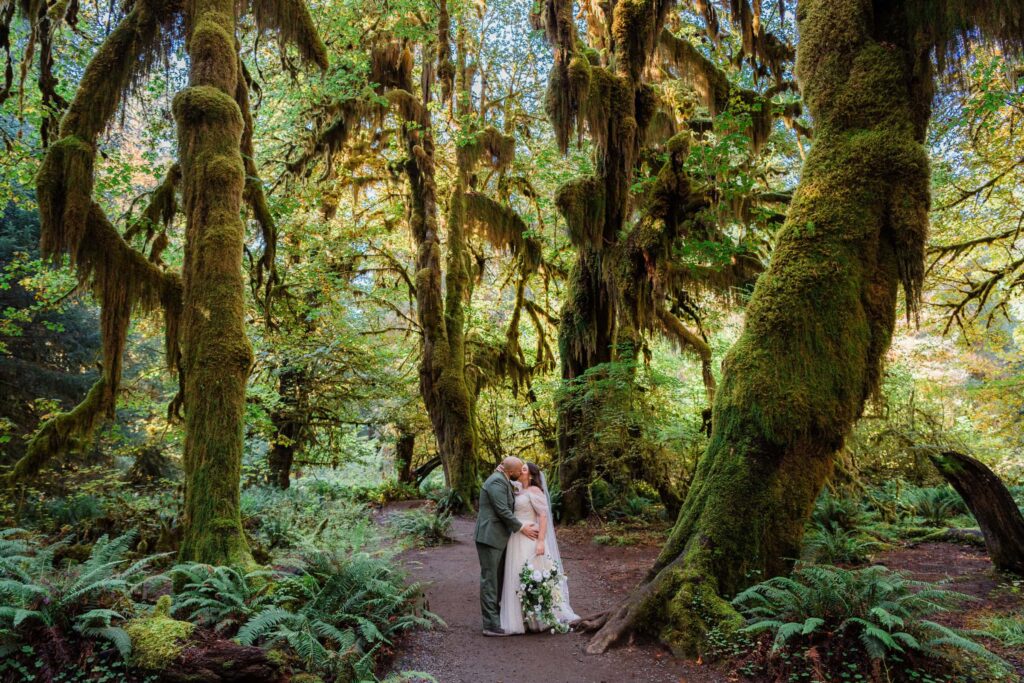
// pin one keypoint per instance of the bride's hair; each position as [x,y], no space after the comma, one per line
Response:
[534,474]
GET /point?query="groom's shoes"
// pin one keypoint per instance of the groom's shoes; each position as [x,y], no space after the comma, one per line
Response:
[495,632]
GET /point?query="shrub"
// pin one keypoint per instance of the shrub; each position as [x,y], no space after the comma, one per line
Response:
[837,545]
[933,505]
[221,598]
[842,513]
[828,619]
[333,612]
[424,528]
[1008,629]
[337,612]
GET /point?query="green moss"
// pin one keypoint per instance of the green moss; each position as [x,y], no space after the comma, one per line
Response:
[157,639]
[292,24]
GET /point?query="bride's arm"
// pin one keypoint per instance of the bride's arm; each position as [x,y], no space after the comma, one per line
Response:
[543,514]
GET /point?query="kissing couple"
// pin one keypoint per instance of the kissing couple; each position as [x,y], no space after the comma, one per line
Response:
[514,530]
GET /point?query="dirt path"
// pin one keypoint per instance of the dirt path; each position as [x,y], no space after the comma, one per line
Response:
[598,577]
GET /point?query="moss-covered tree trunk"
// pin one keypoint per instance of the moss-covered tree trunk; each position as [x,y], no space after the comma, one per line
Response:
[440,310]
[216,354]
[585,337]
[819,321]
[405,448]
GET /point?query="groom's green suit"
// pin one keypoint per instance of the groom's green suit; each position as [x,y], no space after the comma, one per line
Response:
[495,522]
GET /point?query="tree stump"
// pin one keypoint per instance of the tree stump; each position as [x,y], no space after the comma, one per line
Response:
[991,504]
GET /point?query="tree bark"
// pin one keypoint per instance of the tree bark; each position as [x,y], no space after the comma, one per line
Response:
[216,355]
[405,445]
[442,365]
[213,660]
[289,425]
[585,337]
[819,321]
[991,504]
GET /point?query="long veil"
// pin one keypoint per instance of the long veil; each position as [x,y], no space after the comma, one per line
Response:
[552,549]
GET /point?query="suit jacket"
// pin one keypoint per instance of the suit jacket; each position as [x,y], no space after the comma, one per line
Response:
[496,519]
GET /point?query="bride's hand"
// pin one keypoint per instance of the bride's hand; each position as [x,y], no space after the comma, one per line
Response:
[540,548]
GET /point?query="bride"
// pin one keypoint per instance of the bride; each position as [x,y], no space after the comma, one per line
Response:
[532,504]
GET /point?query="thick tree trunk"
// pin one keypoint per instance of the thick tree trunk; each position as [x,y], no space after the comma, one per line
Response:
[818,323]
[216,354]
[991,504]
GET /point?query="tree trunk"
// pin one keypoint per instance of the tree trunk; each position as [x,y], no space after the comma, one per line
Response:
[991,504]
[213,660]
[585,337]
[819,321]
[216,354]
[442,365]
[289,424]
[405,445]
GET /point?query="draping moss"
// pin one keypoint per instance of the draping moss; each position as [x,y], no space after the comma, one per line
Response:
[291,24]
[391,66]
[503,228]
[490,146]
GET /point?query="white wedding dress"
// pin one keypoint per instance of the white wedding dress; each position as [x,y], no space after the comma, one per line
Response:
[529,505]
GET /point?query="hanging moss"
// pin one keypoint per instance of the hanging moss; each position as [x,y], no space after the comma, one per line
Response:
[492,147]
[391,66]
[635,28]
[291,24]
[581,203]
[123,58]
[503,228]
[60,434]
[159,213]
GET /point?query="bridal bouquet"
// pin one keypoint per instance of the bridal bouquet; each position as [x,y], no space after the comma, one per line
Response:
[539,592]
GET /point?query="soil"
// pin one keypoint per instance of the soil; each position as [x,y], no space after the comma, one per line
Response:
[964,569]
[598,577]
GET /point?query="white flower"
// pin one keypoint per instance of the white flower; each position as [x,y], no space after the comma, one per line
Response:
[537,576]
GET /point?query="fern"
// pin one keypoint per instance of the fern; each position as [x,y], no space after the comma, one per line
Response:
[882,613]
[40,602]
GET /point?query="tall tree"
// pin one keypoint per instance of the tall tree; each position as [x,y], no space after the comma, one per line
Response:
[625,281]
[203,308]
[822,315]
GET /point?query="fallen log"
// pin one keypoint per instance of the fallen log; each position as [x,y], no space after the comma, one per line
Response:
[990,502]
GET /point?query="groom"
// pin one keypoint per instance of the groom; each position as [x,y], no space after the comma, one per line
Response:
[495,522]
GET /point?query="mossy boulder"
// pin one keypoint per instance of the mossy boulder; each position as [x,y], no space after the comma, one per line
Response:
[158,639]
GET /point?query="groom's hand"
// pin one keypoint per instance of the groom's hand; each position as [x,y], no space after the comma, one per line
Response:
[530,531]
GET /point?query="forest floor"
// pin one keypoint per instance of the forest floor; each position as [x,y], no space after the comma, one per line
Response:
[599,576]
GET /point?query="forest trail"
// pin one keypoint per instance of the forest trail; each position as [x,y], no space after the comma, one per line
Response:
[598,577]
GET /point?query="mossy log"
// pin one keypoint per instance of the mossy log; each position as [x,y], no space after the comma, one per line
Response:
[213,660]
[819,321]
[990,502]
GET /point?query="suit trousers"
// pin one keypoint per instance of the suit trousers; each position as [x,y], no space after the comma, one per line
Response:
[492,568]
